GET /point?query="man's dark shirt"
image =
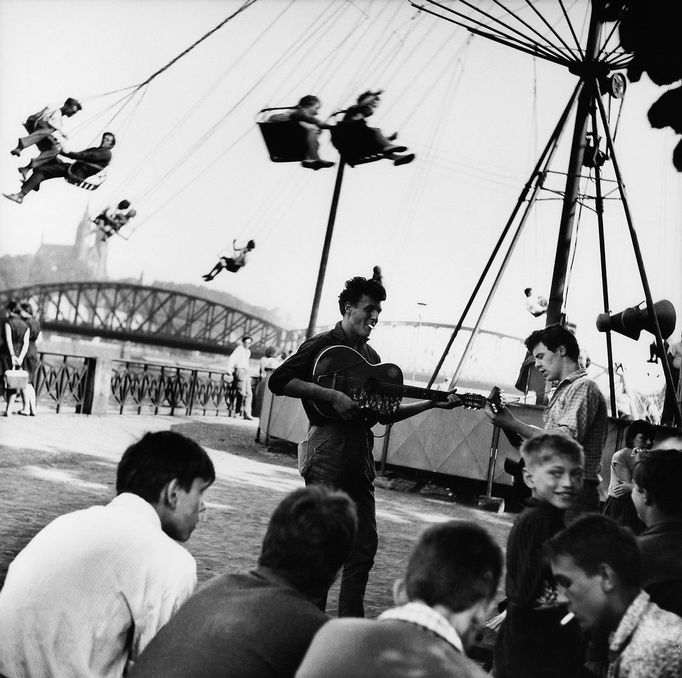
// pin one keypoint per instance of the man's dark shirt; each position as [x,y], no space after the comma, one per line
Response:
[661,548]
[301,364]
[90,161]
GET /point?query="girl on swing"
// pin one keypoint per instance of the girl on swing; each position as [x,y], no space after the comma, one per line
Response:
[233,263]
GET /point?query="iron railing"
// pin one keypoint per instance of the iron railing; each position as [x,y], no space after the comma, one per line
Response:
[149,388]
[61,379]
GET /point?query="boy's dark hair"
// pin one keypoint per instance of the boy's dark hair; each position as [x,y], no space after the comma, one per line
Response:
[455,564]
[544,446]
[309,536]
[639,426]
[659,472]
[552,337]
[124,204]
[13,306]
[26,306]
[251,244]
[270,352]
[593,540]
[247,336]
[356,287]
[113,138]
[148,465]
[527,291]
[308,100]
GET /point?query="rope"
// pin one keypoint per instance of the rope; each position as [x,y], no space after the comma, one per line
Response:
[245,5]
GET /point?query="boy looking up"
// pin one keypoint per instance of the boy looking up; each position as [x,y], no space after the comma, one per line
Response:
[531,641]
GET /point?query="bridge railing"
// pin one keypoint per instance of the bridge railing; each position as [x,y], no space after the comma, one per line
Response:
[148,388]
[88,385]
[61,380]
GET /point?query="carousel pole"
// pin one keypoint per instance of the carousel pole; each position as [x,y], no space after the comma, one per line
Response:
[599,208]
[651,311]
[325,250]
[566,225]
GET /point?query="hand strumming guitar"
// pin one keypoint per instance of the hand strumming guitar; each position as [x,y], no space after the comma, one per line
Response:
[344,406]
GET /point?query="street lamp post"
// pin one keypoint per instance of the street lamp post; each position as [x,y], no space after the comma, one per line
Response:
[420,308]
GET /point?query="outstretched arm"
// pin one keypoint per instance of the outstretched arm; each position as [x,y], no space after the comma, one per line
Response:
[410,409]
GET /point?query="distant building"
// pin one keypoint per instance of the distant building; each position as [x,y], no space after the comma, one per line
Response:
[86,259]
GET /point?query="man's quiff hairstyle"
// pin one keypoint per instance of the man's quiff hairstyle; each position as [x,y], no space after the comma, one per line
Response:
[309,536]
[594,540]
[543,447]
[552,337]
[148,465]
[356,287]
[455,564]
[659,472]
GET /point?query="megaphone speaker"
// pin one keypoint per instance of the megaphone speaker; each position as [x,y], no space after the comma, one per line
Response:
[633,320]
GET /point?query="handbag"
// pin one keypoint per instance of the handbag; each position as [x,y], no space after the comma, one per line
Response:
[16,379]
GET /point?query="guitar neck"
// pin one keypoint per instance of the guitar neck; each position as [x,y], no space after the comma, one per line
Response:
[421,393]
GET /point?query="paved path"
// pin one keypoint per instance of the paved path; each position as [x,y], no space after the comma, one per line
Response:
[54,463]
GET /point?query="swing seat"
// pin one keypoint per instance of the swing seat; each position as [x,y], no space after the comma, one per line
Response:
[356,143]
[81,174]
[284,139]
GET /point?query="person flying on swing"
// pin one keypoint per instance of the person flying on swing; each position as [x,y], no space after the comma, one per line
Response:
[88,162]
[357,114]
[46,132]
[233,263]
[304,114]
[112,220]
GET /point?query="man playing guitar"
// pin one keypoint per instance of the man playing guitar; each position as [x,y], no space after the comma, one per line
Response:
[338,453]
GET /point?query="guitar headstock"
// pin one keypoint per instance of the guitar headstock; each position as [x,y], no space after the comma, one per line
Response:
[495,400]
[472,401]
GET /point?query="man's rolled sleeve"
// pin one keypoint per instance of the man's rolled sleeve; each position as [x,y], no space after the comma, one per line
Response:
[298,366]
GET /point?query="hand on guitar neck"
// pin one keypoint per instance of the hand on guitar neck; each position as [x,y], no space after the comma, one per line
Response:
[500,416]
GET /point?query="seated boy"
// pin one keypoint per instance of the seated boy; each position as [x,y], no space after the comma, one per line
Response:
[93,587]
[531,642]
[441,604]
[304,113]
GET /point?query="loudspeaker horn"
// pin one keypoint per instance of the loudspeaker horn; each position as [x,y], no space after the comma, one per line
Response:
[633,320]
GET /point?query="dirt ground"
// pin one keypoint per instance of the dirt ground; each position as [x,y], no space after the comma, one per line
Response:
[41,480]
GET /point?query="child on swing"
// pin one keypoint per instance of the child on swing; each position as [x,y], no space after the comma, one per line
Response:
[233,263]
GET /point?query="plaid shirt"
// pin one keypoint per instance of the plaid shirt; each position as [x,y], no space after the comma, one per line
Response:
[647,642]
[426,617]
[578,409]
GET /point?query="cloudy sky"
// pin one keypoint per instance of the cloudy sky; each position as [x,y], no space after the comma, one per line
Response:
[191,159]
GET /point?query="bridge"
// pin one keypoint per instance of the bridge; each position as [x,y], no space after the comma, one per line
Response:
[167,318]
[149,315]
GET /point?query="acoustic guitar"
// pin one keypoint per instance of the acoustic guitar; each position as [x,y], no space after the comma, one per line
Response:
[377,389]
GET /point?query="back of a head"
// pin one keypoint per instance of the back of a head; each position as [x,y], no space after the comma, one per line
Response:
[594,540]
[455,564]
[148,465]
[543,447]
[552,337]
[659,472]
[26,307]
[124,204]
[309,536]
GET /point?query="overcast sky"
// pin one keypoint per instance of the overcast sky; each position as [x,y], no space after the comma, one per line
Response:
[191,159]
